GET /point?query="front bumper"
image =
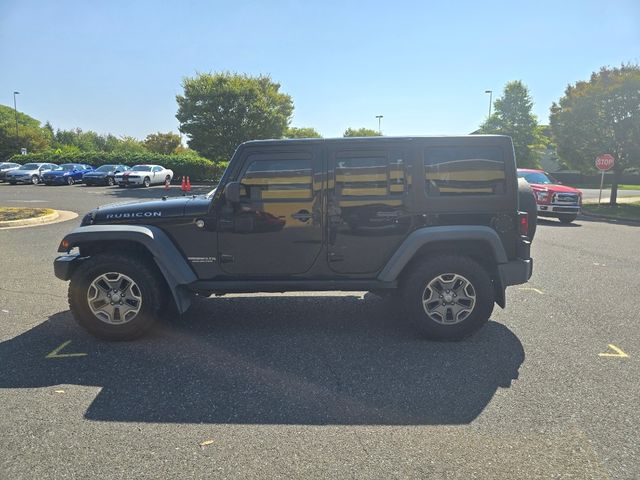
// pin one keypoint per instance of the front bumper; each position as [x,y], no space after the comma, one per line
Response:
[553,208]
[129,181]
[65,265]
[55,180]
[22,179]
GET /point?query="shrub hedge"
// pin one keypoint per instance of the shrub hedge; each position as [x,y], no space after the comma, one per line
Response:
[193,166]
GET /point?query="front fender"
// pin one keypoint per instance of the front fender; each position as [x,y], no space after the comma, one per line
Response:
[172,264]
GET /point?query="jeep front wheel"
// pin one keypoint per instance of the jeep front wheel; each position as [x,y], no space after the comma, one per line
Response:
[115,297]
[448,297]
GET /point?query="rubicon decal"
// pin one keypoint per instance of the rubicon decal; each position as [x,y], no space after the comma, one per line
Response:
[133,215]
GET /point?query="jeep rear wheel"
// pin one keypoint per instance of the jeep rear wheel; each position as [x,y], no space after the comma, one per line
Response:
[115,297]
[448,297]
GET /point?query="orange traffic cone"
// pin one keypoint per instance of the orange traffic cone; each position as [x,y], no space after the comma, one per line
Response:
[183,187]
[188,185]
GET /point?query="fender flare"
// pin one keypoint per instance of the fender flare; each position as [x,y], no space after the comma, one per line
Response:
[426,235]
[172,264]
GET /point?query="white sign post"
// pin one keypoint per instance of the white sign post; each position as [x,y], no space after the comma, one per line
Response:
[604,162]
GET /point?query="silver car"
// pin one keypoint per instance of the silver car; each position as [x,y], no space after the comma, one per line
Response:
[29,173]
[6,167]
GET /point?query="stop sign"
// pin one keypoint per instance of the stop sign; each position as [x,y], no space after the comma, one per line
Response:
[604,162]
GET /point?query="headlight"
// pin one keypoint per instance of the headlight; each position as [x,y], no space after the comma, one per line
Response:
[542,196]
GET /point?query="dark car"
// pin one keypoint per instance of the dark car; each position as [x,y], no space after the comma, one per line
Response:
[433,221]
[104,175]
[7,167]
[66,174]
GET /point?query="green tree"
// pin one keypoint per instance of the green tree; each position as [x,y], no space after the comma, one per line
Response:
[301,132]
[360,132]
[165,143]
[512,116]
[601,115]
[30,134]
[219,111]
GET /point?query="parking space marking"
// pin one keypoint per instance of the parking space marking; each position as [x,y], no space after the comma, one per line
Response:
[618,352]
[56,352]
[537,290]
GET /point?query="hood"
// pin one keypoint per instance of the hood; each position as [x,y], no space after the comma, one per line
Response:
[93,173]
[58,173]
[151,211]
[554,187]
[22,172]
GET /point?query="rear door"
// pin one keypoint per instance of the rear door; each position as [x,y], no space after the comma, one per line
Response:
[367,207]
[276,229]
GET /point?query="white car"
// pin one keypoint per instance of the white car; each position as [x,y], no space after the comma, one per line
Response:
[144,175]
[29,173]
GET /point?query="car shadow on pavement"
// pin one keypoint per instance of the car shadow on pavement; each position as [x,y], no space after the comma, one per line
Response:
[557,223]
[305,359]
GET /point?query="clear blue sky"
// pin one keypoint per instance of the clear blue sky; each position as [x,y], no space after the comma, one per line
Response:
[116,67]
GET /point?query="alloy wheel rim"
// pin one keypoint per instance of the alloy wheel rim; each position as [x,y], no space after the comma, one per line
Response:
[114,298]
[449,299]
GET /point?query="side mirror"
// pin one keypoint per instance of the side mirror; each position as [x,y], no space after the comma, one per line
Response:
[232,192]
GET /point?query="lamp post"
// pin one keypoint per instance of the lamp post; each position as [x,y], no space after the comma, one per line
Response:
[379,117]
[15,111]
[490,92]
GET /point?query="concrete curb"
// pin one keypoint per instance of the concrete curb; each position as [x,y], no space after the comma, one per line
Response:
[612,219]
[56,217]
[23,222]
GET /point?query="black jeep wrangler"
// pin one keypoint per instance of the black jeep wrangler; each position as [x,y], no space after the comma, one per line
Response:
[432,220]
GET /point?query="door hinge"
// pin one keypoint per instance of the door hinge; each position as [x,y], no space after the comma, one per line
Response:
[226,258]
[335,257]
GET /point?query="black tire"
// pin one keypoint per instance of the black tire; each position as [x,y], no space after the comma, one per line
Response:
[527,203]
[415,283]
[70,181]
[147,278]
[110,181]
[121,185]
[567,218]
[35,179]
[146,182]
[12,183]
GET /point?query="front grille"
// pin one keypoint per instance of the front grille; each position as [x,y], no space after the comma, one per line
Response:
[565,198]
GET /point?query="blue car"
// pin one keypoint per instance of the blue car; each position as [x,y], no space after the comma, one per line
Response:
[66,174]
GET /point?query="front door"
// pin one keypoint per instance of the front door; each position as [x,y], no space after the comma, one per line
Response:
[276,229]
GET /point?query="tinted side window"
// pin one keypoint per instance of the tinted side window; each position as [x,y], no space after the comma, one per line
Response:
[278,180]
[369,177]
[464,171]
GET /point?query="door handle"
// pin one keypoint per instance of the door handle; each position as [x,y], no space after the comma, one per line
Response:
[302,215]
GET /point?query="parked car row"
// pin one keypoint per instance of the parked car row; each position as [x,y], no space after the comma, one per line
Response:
[70,173]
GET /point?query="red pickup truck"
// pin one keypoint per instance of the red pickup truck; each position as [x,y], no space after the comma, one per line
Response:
[553,199]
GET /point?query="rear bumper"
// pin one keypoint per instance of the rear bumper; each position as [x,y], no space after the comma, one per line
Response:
[65,265]
[516,272]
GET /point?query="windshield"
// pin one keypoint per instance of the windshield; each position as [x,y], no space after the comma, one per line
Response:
[141,168]
[106,168]
[67,167]
[30,166]
[537,177]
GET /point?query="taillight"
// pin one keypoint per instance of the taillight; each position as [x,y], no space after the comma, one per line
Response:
[523,222]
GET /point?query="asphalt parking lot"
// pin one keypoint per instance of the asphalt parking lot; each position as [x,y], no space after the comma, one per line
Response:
[325,385]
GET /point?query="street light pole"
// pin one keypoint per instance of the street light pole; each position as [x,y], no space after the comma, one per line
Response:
[490,92]
[379,117]
[15,111]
